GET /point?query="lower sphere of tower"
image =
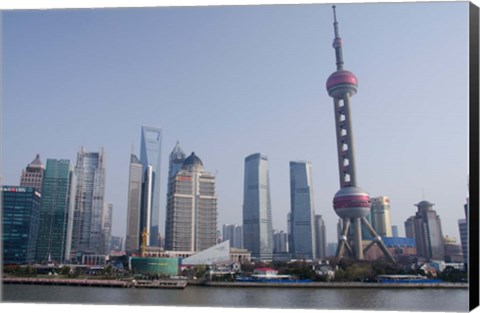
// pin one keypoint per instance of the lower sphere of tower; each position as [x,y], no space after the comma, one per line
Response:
[351,202]
[340,83]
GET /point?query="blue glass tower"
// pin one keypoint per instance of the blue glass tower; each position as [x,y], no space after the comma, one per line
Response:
[302,211]
[257,210]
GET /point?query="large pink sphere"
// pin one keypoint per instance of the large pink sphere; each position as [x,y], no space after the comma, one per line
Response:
[342,82]
[352,202]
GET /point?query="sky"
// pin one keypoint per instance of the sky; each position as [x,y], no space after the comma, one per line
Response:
[229,81]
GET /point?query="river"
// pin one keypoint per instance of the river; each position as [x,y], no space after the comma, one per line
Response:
[440,300]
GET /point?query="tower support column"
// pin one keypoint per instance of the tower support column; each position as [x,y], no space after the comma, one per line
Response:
[357,237]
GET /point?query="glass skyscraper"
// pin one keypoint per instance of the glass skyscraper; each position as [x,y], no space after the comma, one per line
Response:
[150,149]
[56,212]
[302,216]
[20,223]
[89,203]
[428,232]
[320,238]
[132,243]
[257,210]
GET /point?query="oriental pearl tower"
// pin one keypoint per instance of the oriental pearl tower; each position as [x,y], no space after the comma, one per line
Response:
[351,203]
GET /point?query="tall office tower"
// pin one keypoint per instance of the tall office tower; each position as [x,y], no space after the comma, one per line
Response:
[410,227]
[32,176]
[463,228]
[280,241]
[257,210]
[133,239]
[380,215]
[107,229]
[191,222]
[320,238]
[20,221]
[428,232]
[177,157]
[394,231]
[56,212]
[234,233]
[302,211]
[351,202]
[150,149]
[89,202]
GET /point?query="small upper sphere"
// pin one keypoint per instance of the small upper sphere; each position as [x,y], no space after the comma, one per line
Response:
[342,82]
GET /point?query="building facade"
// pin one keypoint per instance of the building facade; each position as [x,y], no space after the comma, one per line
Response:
[150,152]
[380,216]
[133,238]
[302,217]
[234,233]
[428,232]
[191,221]
[107,229]
[89,203]
[32,176]
[20,224]
[56,212]
[410,227]
[320,238]
[257,210]
[280,242]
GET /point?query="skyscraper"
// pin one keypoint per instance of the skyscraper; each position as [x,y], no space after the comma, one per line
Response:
[132,243]
[175,162]
[380,215]
[320,238]
[302,211]
[410,227]
[280,241]
[463,229]
[106,243]
[150,149]
[351,202]
[234,233]
[257,211]
[56,212]
[89,202]
[191,222]
[32,176]
[428,232]
[20,221]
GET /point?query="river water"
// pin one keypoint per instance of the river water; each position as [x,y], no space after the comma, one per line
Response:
[439,300]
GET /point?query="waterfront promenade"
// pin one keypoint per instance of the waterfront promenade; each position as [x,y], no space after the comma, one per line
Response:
[182,284]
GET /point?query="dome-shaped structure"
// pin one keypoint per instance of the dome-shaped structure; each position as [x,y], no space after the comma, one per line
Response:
[192,161]
[424,206]
[352,202]
[342,82]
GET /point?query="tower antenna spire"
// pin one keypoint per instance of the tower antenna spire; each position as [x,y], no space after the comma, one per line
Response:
[337,41]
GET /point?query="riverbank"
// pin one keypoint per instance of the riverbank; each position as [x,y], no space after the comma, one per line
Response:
[338,285]
[182,284]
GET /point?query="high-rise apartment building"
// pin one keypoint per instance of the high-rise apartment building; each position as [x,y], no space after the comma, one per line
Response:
[280,241]
[380,216]
[20,224]
[320,238]
[428,232]
[191,222]
[234,233]
[56,212]
[302,216]
[257,210]
[150,151]
[32,176]
[89,203]
[132,242]
[410,227]
[463,229]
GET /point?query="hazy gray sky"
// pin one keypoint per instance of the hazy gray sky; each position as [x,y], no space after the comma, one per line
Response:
[230,81]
